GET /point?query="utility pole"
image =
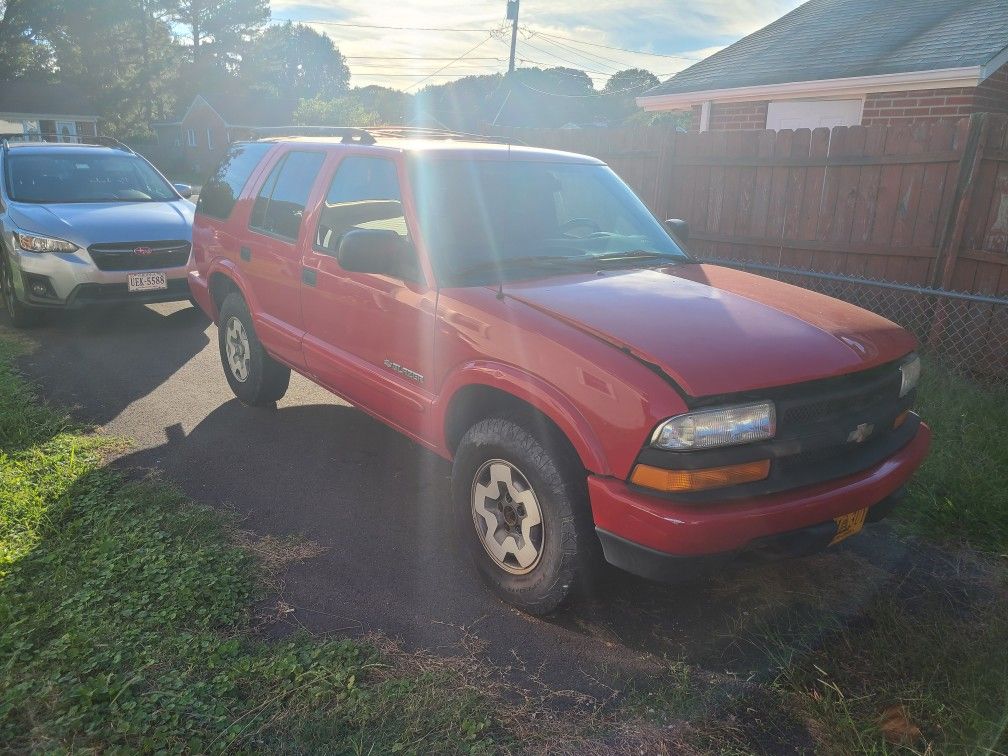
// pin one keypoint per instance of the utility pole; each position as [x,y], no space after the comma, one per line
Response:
[512,16]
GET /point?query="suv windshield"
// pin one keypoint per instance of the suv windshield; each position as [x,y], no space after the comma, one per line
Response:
[484,220]
[84,177]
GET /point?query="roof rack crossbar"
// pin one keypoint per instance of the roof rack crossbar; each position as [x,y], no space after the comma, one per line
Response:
[52,138]
[348,134]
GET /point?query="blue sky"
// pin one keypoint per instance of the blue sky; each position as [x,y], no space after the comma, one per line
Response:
[678,31]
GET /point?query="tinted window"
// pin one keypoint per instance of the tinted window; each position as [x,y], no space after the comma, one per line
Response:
[282,199]
[364,194]
[58,177]
[219,194]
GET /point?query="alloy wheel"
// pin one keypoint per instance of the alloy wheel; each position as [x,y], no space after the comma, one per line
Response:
[507,517]
[238,351]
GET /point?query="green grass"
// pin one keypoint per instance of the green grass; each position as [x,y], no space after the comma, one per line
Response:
[125,623]
[961,492]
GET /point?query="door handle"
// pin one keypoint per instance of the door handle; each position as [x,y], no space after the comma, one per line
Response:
[309,277]
[246,254]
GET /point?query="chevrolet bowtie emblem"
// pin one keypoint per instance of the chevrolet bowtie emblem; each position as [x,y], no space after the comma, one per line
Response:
[860,434]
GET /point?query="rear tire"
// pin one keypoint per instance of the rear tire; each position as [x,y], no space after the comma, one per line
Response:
[255,377]
[20,315]
[522,513]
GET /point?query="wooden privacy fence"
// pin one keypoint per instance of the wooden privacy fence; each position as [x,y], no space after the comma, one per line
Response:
[924,204]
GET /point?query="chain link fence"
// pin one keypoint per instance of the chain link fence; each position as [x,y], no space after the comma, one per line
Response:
[968,333]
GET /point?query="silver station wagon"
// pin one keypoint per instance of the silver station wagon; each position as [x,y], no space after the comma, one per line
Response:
[86,224]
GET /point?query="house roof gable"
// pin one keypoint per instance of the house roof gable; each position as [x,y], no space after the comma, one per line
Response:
[239,109]
[844,39]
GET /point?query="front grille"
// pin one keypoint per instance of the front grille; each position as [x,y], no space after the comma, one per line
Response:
[859,395]
[152,255]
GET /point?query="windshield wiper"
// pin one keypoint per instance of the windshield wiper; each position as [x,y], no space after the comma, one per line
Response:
[631,255]
[515,262]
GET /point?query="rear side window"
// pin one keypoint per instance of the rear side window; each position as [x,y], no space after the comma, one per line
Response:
[281,202]
[364,194]
[218,196]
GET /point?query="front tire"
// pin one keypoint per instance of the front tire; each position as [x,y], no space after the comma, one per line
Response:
[522,513]
[255,377]
[20,315]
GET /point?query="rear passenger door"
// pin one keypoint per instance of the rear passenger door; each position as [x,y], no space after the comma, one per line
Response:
[270,260]
[368,336]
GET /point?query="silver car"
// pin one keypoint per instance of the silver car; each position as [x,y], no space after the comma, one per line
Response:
[88,224]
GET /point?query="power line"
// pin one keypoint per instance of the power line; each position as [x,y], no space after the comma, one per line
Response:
[609,47]
[598,59]
[377,26]
[568,61]
[448,65]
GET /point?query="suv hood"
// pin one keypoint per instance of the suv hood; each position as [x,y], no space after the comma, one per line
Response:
[717,330]
[85,224]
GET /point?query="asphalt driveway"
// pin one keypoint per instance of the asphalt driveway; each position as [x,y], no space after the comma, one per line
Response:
[378,507]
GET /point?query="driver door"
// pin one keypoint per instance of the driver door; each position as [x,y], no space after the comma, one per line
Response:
[368,336]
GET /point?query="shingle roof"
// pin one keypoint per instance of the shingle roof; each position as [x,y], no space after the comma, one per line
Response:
[22,97]
[242,109]
[834,39]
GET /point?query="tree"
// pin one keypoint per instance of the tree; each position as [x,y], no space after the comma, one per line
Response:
[220,29]
[23,50]
[621,92]
[336,112]
[293,59]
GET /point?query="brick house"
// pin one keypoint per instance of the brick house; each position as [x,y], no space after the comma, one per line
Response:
[848,62]
[54,111]
[203,131]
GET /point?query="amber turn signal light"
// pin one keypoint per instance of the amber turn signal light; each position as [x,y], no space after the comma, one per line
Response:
[900,419]
[673,481]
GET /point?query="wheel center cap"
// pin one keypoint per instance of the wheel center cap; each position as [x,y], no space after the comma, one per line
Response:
[510,515]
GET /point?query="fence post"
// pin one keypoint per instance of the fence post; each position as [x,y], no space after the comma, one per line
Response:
[955,224]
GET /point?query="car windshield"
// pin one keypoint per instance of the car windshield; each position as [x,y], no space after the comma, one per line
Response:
[494,219]
[84,177]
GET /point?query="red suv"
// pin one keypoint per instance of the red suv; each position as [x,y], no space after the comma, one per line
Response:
[520,312]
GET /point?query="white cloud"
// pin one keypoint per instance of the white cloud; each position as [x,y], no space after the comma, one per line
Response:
[670,27]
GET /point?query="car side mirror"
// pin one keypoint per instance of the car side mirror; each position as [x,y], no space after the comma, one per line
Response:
[373,250]
[184,189]
[679,229]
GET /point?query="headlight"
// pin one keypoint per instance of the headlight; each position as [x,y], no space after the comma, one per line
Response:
[910,370]
[725,426]
[35,243]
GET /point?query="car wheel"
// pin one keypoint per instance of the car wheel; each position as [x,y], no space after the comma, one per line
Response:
[254,376]
[522,512]
[19,315]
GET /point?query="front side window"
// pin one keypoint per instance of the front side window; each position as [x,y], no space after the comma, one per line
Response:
[364,194]
[489,219]
[84,177]
[221,191]
[280,205]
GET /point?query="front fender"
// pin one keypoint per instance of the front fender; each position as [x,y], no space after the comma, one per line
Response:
[534,391]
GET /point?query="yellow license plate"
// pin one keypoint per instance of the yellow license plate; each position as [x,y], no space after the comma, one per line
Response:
[849,524]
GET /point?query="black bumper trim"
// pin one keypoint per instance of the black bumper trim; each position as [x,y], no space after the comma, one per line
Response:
[661,566]
[89,294]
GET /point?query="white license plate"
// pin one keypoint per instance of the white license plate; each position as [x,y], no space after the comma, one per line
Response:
[146,281]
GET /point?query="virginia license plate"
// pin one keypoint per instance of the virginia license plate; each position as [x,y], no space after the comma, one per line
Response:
[849,524]
[146,281]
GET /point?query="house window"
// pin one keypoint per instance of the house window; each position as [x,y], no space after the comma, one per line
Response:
[190,137]
[209,140]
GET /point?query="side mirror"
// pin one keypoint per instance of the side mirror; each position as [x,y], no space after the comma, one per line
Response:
[679,229]
[184,189]
[372,251]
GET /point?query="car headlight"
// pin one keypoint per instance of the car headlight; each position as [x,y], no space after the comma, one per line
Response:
[36,243]
[910,370]
[724,426]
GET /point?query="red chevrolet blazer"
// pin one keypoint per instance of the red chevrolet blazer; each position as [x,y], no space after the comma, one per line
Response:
[520,312]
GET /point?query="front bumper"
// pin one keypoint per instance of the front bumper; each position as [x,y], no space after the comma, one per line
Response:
[72,281]
[649,536]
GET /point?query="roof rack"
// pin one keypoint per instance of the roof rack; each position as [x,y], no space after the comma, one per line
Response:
[348,135]
[48,138]
[352,135]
